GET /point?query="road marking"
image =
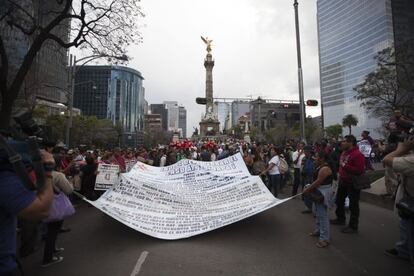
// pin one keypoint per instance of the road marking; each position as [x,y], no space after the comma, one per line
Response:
[139,263]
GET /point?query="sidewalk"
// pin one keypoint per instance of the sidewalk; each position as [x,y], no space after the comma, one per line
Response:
[374,195]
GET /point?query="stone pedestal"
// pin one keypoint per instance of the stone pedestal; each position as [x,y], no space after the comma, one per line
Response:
[209,127]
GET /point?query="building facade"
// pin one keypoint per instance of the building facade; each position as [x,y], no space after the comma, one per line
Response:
[162,110]
[350,34]
[238,109]
[173,114]
[46,83]
[223,113]
[115,93]
[267,114]
[182,121]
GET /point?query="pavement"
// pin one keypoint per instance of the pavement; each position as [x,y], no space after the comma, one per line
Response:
[274,242]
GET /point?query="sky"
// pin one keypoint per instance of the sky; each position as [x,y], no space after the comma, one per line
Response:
[254,48]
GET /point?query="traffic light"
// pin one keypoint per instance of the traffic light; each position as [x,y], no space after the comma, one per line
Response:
[312,103]
[202,101]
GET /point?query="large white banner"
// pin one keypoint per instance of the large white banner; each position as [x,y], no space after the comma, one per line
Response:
[187,198]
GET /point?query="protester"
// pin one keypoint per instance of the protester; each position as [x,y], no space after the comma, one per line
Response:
[60,184]
[88,177]
[297,158]
[402,161]
[273,171]
[308,170]
[352,163]
[17,200]
[365,146]
[323,178]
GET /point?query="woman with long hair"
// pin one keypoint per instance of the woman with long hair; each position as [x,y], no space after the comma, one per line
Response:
[321,192]
[273,171]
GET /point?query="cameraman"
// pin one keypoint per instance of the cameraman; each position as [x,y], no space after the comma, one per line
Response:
[402,161]
[17,200]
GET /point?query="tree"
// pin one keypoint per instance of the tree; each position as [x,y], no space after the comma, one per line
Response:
[333,131]
[391,85]
[103,27]
[349,121]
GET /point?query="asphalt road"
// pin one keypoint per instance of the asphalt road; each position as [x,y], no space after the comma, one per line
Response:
[275,242]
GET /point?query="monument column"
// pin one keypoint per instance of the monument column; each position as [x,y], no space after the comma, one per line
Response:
[209,64]
[209,125]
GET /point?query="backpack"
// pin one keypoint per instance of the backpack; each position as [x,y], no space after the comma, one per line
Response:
[283,165]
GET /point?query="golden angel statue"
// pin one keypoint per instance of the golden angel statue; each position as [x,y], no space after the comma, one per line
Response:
[208,43]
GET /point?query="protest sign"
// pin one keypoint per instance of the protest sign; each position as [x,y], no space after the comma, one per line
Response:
[365,147]
[187,198]
[107,176]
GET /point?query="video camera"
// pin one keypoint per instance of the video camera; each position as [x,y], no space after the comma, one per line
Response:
[23,150]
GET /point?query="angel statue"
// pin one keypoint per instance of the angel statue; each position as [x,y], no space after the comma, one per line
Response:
[208,43]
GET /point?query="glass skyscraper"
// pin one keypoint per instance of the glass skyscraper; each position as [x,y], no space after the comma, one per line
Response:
[350,34]
[112,92]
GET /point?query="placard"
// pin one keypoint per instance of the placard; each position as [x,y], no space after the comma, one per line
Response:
[107,176]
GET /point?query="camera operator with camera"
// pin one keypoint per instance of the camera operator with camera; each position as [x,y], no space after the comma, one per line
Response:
[402,161]
[17,200]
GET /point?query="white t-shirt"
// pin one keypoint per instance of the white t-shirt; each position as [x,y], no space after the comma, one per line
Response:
[275,169]
[163,161]
[294,156]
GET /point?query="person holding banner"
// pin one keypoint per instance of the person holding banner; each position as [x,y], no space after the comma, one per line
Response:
[322,185]
[273,171]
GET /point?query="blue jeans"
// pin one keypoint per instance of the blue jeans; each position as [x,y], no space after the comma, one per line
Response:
[274,183]
[405,246]
[322,221]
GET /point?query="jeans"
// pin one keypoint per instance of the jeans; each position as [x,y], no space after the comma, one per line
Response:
[297,180]
[344,190]
[274,182]
[405,246]
[50,242]
[322,221]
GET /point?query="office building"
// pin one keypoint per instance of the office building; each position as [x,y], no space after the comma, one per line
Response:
[115,93]
[223,113]
[350,34]
[162,110]
[238,109]
[182,121]
[173,114]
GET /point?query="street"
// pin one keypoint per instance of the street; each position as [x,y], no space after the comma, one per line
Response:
[275,242]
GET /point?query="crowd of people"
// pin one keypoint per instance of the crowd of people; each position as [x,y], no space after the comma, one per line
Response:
[323,171]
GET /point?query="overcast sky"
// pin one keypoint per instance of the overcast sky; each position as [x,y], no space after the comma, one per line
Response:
[254,48]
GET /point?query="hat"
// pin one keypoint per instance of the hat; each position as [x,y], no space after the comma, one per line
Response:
[70,151]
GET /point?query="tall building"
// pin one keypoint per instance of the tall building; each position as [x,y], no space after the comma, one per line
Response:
[46,83]
[162,110]
[182,121]
[267,114]
[350,34]
[238,109]
[173,114]
[223,111]
[115,93]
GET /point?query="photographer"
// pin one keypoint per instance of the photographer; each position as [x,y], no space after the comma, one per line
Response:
[402,161]
[17,200]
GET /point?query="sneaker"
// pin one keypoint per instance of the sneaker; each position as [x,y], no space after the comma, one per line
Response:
[306,211]
[394,254]
[53,261]
[58,250]
[349,230]
[337,222]
[64,230]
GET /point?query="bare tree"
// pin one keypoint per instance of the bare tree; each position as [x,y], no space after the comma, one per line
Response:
[104,27]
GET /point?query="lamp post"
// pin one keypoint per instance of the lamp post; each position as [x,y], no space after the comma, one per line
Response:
[300,75]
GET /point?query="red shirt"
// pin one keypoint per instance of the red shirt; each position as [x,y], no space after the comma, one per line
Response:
[352,162]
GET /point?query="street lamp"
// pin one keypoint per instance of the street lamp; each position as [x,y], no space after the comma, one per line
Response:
[300,75]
